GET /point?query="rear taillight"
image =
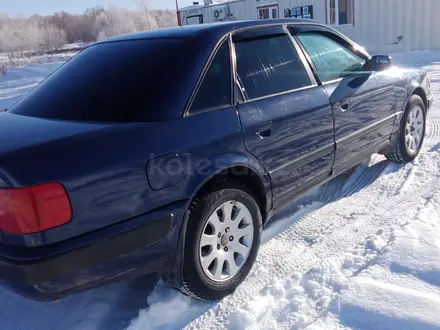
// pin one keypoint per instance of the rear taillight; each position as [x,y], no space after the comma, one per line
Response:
[34,209]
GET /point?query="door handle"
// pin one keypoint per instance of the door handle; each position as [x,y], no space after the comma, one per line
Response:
[264,131]
[343,105]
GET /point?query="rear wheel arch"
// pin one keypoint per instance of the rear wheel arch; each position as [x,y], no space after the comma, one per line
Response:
[242,175]
[196,277]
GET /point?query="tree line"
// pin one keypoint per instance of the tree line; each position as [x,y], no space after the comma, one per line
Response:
[38,34]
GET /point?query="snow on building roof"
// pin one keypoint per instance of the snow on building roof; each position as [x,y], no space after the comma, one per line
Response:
[214,3]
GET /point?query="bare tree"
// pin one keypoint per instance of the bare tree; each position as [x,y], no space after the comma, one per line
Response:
[114,21]
[19,35]
[9,42]
[146,18]
[38,34]
[52,38]
[165,18]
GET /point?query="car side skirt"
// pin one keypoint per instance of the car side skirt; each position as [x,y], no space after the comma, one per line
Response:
[323,178]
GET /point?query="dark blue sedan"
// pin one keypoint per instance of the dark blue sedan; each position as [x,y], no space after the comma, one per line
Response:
[168,151]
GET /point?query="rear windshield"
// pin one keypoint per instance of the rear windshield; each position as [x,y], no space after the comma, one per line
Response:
[124,81]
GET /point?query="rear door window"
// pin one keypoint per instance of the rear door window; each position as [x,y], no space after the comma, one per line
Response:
[216,89]
[123,81]
[269,65]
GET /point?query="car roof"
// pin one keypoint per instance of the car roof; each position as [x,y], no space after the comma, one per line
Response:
[213,29]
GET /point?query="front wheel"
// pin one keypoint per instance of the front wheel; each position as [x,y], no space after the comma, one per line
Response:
[222,241]
[411,133]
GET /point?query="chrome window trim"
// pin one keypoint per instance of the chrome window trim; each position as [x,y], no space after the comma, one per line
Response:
[186,112]
[332,81]
[202,76]
[313,81]
[274,24]
[235,82]
[280,93]
[302,57]
[355,49]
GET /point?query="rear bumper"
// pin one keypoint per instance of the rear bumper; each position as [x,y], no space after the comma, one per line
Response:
[61,265]
[144,248]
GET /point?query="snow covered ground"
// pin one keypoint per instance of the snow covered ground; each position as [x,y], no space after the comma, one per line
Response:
[62,57]
[21,80]
[361,252]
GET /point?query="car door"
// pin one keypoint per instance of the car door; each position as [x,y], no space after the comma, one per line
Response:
[286,117]
[363,102]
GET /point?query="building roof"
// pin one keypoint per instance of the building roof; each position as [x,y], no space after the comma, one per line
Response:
[214,4]
[221,28]
[193,7]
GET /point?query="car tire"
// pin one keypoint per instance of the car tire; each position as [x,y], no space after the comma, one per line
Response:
[411,132]
[208,238]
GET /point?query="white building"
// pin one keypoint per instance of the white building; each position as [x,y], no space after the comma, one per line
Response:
[381,26]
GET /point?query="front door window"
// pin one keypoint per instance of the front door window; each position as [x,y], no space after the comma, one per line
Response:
[331,59]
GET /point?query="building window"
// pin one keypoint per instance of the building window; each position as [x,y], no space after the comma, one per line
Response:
[268,12]
[340,12]
[264,13]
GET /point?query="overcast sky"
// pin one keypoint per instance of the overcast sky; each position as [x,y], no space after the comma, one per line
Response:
[45,7]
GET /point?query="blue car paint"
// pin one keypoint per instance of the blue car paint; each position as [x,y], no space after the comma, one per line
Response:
[105,176]
[371,104]
[154,257]
[301,144]
[103,166]
[408,82]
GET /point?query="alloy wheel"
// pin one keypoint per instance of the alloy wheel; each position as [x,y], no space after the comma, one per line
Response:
[226,241]
[414,130]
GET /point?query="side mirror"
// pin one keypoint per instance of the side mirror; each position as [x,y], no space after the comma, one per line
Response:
[380,63]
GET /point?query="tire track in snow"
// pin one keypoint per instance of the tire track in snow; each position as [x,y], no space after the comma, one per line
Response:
[354,216]
[433,128]
[410,170]
[405,173]
[365,179]
[288,254]
[407,205]
[425,203]
[345,185]
[307,230]
[358,225]
[300,258]
[359,232]
[354,227]
[319,300]
[367,176]
[336,189]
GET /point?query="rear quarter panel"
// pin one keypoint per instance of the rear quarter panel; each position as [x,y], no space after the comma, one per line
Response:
[104,172]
